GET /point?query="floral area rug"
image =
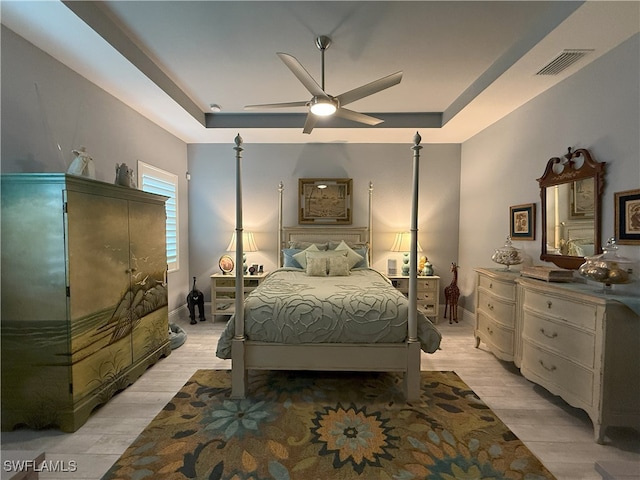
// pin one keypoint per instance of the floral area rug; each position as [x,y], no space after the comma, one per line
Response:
[326,425]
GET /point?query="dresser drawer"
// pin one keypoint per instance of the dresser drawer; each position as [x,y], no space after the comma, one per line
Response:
[501,338]
[501,311]
[496,287]
[583,315]
[562,338]
[567,376]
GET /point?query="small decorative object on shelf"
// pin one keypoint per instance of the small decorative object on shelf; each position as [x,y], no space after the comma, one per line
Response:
[226,264]
[424,267]
[548,274]
[82,165]
[507,255]
[608,268]
[124,176]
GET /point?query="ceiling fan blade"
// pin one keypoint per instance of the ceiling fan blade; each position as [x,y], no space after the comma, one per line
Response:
[309,123]
[370,88]
[357,117]
[301,74]
[277,105]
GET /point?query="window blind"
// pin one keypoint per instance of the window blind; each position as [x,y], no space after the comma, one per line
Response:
[154,180]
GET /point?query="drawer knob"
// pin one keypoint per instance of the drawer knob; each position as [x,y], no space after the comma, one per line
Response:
[553,335]
[491,285]
[550,369]
[489,306]
[490,331]
[549,303]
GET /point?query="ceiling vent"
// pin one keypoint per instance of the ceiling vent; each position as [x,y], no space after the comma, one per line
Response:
[562,61]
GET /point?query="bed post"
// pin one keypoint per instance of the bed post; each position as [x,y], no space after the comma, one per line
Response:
[238,368]
[412,375]
[280,190]
[370,231]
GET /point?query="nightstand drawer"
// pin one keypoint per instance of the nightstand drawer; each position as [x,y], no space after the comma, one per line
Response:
[223,291]
[427,292]
[427,297]
[422,284]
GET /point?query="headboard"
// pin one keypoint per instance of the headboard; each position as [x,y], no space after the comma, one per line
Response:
[323,233]
[317,234]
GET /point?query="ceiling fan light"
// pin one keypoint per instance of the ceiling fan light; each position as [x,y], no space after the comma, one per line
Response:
[323,107]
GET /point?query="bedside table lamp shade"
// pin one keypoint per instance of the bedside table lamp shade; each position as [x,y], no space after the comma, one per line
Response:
[402,244]
[248,245]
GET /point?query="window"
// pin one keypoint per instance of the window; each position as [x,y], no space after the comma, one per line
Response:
[155,180]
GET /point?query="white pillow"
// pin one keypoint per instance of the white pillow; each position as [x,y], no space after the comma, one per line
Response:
[301,257]
[354,257]
[338,266]
[317,266]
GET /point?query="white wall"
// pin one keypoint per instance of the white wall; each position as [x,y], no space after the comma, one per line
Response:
[389,167]
[598,108]
[46,105]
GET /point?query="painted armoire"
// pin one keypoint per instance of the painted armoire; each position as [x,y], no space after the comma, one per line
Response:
[84,295]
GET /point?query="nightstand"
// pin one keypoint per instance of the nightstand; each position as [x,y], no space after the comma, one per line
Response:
[427,295]
[223,291]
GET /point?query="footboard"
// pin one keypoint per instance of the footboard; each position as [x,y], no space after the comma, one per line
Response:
[374,357]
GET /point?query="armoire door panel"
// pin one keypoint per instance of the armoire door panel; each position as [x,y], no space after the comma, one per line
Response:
[148,277]
[98,246]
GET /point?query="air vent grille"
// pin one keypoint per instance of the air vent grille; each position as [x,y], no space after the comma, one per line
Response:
[562,61]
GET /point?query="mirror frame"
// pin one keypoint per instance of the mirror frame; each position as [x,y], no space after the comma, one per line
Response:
[571,172]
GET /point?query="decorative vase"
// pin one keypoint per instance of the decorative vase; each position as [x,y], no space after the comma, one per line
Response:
[608,268]
[507,255]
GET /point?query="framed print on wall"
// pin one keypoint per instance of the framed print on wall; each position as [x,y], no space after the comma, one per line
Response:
[324,200]
[522,221]
[627,209]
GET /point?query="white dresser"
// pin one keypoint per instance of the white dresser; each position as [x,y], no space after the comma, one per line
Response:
[583,346]
[496,312]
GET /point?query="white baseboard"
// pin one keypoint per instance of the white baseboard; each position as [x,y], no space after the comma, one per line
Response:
[178,312]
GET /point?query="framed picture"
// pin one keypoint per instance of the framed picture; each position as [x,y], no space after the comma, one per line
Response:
[324,200]
[522,219]
[627,208]
[582,198]
[226,264]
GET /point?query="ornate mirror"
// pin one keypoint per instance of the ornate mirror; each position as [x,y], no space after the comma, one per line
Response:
[570,192]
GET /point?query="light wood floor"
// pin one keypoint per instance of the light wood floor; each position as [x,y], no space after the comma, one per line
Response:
[561,436]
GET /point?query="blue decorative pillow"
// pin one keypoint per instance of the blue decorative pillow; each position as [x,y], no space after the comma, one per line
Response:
[364,253]
[288,260]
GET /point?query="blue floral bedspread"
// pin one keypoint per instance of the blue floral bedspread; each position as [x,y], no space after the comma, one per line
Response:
[363,307]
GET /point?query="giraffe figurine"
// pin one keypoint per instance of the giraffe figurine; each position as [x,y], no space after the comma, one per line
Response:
[451,295]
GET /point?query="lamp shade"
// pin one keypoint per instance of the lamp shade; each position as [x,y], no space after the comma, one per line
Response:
[248,243]
[402,243]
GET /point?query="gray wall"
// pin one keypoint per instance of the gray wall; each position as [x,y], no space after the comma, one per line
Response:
[465,191]
[598,108]
[389,167]
[46,105]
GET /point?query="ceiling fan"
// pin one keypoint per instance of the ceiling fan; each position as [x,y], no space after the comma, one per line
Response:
[322,104]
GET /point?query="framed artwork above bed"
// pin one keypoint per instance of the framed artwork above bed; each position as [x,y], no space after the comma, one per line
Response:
[324,201]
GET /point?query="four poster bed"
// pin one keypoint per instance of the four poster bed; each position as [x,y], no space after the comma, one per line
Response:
[325,308]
